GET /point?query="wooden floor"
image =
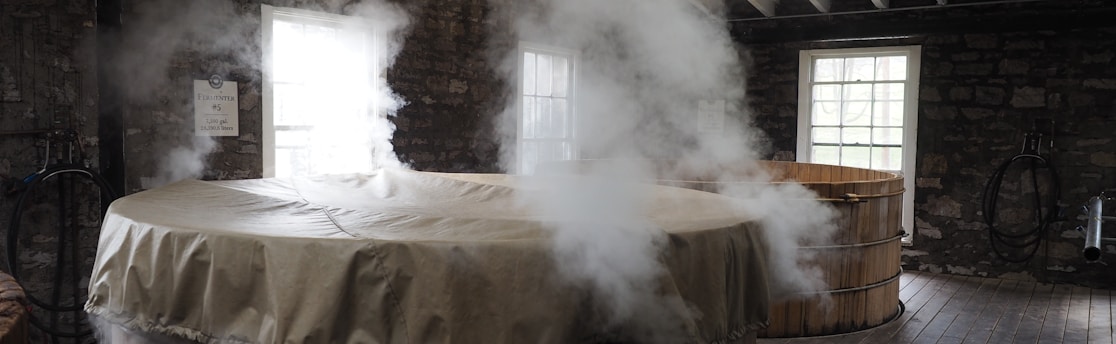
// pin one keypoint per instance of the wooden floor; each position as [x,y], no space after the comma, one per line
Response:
[956,309]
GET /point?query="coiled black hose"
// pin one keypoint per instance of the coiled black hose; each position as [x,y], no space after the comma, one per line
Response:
[1031,239]
[32,182]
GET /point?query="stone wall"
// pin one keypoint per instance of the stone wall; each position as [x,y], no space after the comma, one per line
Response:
[48,82]
[979,94]
[446,74]
[165,46]
[442,73]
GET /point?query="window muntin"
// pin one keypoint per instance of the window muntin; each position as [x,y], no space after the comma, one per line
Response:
[320,75]
[857,111]
[546,115]
[858,107]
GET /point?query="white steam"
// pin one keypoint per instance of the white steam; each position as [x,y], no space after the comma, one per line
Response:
[182,162]
[159,43]
[643,67]
[168,43]
[340,82]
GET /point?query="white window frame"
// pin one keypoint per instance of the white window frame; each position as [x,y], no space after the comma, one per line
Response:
[268,15]
[910,113]
[571,96]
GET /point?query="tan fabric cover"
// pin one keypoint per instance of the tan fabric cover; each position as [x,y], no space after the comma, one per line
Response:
[394,256]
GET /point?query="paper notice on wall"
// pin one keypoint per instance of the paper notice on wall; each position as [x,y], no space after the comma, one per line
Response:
[215,108]
[711,116]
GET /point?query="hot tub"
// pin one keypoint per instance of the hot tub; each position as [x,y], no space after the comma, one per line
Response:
[396,256]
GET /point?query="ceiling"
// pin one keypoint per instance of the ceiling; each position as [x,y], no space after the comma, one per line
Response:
[796,20]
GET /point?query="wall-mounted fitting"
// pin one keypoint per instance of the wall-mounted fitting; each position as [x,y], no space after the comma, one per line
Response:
[1096,218]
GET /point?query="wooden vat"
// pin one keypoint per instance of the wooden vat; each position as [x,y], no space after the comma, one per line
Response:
[862,264]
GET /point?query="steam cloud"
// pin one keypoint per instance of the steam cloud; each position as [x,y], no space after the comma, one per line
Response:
[158,40]
[644,68]
[164,41]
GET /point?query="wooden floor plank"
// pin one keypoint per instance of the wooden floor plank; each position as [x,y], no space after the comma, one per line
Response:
[1077,324]
[945,309]
[986,321]
[1008,325]
[907,277]
[1054,325]
[1032,321]
[952,308]
[926,313]
[916,284]
[1100,317]
[961,325]
[912,305]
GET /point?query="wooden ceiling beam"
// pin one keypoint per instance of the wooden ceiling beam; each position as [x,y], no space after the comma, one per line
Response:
[702,6]
[767,7]
[823,5]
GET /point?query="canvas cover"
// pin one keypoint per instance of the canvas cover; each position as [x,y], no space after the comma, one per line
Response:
[397,256]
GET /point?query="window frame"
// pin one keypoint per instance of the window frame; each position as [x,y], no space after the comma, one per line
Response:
[571,96]
[268,17]
[910,113]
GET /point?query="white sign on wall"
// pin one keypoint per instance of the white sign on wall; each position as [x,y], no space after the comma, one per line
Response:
[215,108]
[711,116]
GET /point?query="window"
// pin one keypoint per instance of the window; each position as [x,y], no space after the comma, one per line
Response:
[546,118]
[319,72]
[859,108]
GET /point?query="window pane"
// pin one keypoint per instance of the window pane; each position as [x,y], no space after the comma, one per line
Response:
[552,151]
[827,92]
[543,73]
[561,76]
[827,113]
[292,138]
[888,113]
[857,113]
[292,162]
[891,68]
[887,158]
[827,70]
[528,74]
[889,91]
[856,136]
[860,69]
[287,53]
[543,111]
[288,107]
[826,155]
[529,118]
[529,157]
[857,92]
[887,136]
[856,157]
[559,118]
[826,135]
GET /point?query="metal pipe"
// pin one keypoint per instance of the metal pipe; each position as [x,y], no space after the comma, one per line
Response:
[1092,249]
[982,3]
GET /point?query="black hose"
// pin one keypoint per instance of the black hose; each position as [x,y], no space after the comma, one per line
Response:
[1031,239]
[63,238]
